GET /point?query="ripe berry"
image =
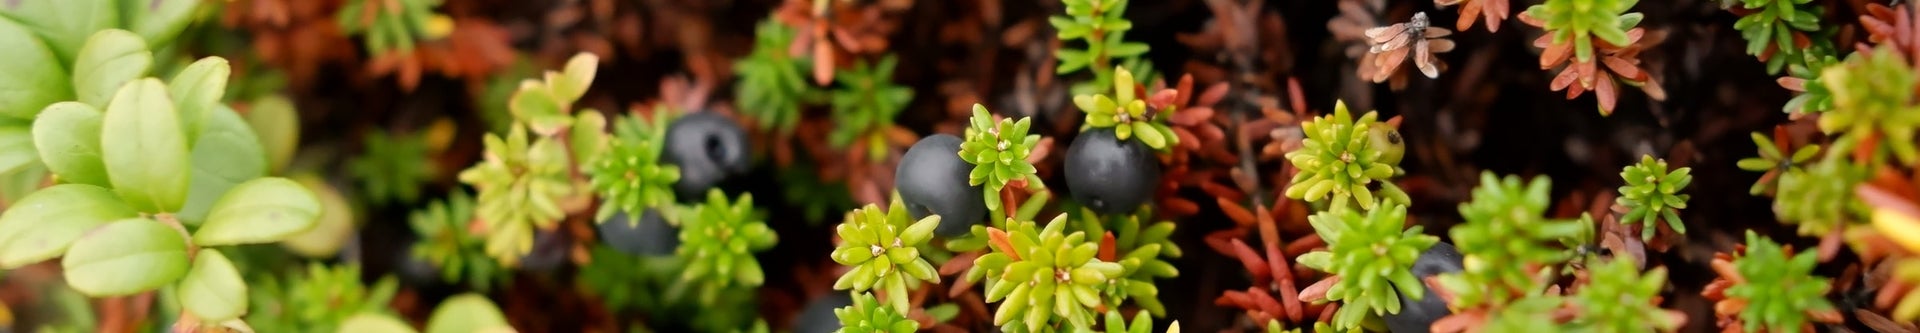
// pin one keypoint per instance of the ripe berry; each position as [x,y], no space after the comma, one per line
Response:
[1109,175]
[932,179]
[649,236]
[1418,316]
[818,316]
[708,148]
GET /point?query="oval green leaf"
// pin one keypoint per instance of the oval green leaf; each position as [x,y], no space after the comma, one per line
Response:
[466,313]
[67,135]
[259,211]
[274,119]
[158,20]
[65,24]
[144,150]
[110,59]
[16,146]
[42,225]
[226,154]
[374,323]
[31,77]
[197,91]
[125,257]
[212,290]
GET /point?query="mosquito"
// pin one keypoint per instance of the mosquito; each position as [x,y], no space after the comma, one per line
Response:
[1389,44]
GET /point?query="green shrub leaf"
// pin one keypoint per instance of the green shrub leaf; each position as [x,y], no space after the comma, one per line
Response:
[158,20]
[42,225]
[145,153]
[125,257]
[65,24]
[259,211]
[374,323]
[31,78]
[568,86]
[197,91]
[277,123]
[67,136]
[466,313]
[16,147]
[110,59]
[226,154]
[212,290]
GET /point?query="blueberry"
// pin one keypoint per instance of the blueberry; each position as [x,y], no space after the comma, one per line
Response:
[1418,316]
[932,179]
[708,148]
[818,316]
[549,252]
[652,236]
[1109,175]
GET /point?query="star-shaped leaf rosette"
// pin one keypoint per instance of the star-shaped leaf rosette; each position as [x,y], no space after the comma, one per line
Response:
[883,249]
[1128,115]
[998,151]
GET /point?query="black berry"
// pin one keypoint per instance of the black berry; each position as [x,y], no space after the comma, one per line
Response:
[818,316]
[1418,316]
[650,236]
[549,252]
[708,148]
[1109,175]
[932,179]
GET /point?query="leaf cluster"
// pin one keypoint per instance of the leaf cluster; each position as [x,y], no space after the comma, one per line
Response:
[523,179]
[1873,96]
[1774,161]
[1340,158]
[1618,298]
[864,107]
[998,152]
[393,24]
[718,241]
[321,300]
[1509,245]
[1127,115]
[1142,250]
[1821,198]
[1102,26]
[446,243]
[1772,27]
[772,87]
[1581,21]
[1372,256]
[1043,277]
[1779,288]
[391,168]
[1652,193]
[884,250]
[1814,96]
[866,315]
[629,175]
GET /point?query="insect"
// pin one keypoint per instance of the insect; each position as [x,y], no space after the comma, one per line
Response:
[1388,46]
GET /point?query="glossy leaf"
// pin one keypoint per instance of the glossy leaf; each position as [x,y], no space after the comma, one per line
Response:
[226,154]
[277,123]
[259,211]
[42,225]
[212,290]
[32,76]
[196,91]
[16,147]
[67,136]
[144,150]
[64,24]
[111,58]
[125,257]
[159,21]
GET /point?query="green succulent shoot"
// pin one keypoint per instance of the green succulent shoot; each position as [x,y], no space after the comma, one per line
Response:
[1372,256]
[1042,277]
[1873,96]
[1126,113]
[1510,246]
[1774,162]
[1533,314]
[629,175]
[1618,298]
[446,243]
[1101,25]
[1142,323]
[1652,193]
[1580,21]
[884,250]
[1820,199]
[392,168]
[318,301]
[1774,24]
[1814,96]
[1341,156]
[719,241]
[1780,288]
[393,24]
[521,185]
[625,282]
[866,315]
[1142,249]
[772,85]
[998,152]
[863,110]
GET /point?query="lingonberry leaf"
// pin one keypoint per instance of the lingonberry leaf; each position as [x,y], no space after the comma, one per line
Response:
[110,58]
[125,257]
[212,289]
[259,211]
[144,150]
[67,136]
[42,225]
